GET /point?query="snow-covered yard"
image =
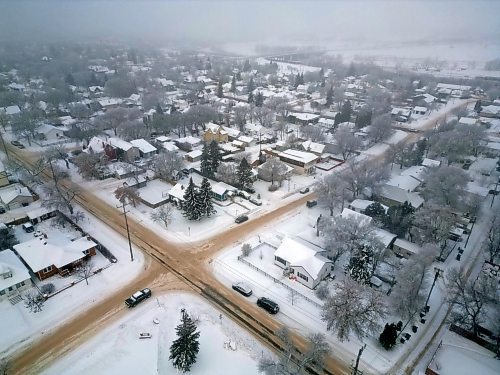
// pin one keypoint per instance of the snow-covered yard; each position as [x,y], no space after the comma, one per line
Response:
[118,349]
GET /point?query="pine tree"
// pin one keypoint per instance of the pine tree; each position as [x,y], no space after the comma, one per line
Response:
[250,97]
[159,110]
[478,106]
[388,336]
[329,96]
[233,85]
[69,79]
[360,265]
[238,76]
[321,74]
[215,156]
[191,206]
[220,90]
[259,99]
[244,172]
[246,66]
[346,111]
[185,348]
[251,85]
[205,196]
[206,162]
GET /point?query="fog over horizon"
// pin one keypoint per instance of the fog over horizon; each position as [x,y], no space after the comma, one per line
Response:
[218,22]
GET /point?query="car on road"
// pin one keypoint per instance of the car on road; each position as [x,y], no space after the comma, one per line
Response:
[304,190]
[243,289]
[255,201]
[312,203]
[244,194]
[268,305]
[138,297]
[241,219]
[17,144]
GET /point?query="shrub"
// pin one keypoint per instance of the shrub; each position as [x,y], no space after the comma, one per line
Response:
[273,188]
[246,249]
[322,291]
[47,288]
[388,337]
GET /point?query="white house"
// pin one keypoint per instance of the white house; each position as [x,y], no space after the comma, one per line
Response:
[360,205]
[46,132]
[146,149]
[419,111]
[303,260]
[14,196]
[360,218]
[14,276]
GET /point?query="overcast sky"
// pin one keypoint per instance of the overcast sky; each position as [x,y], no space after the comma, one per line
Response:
[253,20]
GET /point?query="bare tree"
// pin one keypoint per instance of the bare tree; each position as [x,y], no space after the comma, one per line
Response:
[432,224]
[314,356]
[492,242]
[163,214]
[90,165]
[347,143]
[26,125]
[85,270]
[264,116]
[240,117]
[353,308]
[33,300]
[408,295]
[227,172]
[469,298]
[166,163]
[59,197]
[362,175]
[132,129]
[312,132]
[445,185]
[246,249]
[333,192]
[275,169]
[380,128]
[127,194]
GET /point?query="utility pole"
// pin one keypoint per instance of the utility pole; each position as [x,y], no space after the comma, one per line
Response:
[4,147]
[468,236]
[494,194]
[128,231]
[438,272]
[355,369]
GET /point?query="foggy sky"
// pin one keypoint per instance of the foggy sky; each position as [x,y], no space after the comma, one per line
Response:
[248,21]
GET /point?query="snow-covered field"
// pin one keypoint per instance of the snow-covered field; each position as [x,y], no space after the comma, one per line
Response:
[118,349]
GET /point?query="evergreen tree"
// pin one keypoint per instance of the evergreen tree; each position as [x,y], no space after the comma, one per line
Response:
[361,264]
[159,110]
[388,336]
[7,237]
[375,210]
[259,99]
[250,97]
[185,348]
[346,111]
[250,86]
[352,71]
[206,162]
[246,66]
[364,118]
[321,74]
[191,206]
[233,85]
[238,76]
[220,90]
[478,107]
[205,195]
[338,119]
[329,96]
[69,79]
[244,173]
[323,82]
[215,156]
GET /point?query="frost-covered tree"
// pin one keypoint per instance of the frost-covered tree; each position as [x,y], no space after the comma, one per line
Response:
[275,169]
[185,348]
[205,198]
[227,173]
[364,175]
[347,143]
[85,270]
[33,300]
[444,186]
[380,128]
[360,264]
[166,164]
[353,308]
[470,296]
[127,194]
[162,214]
[332,192]
[432,224]
[244,173]
[492,241]
[89,165]
[317,350]
[191,206]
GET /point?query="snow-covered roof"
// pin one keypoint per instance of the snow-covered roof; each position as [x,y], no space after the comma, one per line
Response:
[475,189]
[358,217]
[169,146]
[301,156]
[400,195]
[430,163]
[163,138]
[232,132]
[189,139]
[305,116]
[492,109]
[416,171]
[109,102]
[407,245]
[362,204]
[9,262]
[420,109]
[10,192]
[194,154]
[40,253]
[143,145]
[467,121]
[47,128]
[120,143]
[245,139]
[96,144]
[300,253]
[401,111]
[317,148]
[12,110]
[452,86]
[408,183]
[384,236]
[177,191]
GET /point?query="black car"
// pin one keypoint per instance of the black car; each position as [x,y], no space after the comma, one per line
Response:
[250,189]
[17,144]
[241,219]
[311,203]
[243,289]
[268,305]
[304,190]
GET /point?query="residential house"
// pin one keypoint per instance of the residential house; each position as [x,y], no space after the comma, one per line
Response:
[146,149]
[405,182]
[445,90]
[15,196]
[356,216]
[303,118]
[430,163]
[11,110]
[419,111]
[401,114]
[394,196]
[194,156]
[232,133]
[315,148]
[116,148]
[302,162]
[108,103]
[46,258]
[49,133]
[303,261]
[187,143]
[467,121]
[492,111]
[360,205]
[14,276]
[264,174]
[404,248]
[215,133]
[221,191]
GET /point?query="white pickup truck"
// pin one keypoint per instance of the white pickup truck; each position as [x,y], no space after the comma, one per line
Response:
[138,297]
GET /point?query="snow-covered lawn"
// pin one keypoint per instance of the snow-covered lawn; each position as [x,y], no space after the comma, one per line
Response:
[19,326]
[118,349]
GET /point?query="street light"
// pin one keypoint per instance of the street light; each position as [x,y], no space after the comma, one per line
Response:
[126,225]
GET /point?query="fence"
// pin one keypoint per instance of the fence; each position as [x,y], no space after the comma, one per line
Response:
[241,259]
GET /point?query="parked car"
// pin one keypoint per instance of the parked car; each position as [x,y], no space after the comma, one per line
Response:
[37,233]
[2,210]
[311,203]
[255,201]
[138,297]
[243,289]
[244,194]
[268,305]
[304,190]
[28,227]
[241,219]
[17,144]
[250,190]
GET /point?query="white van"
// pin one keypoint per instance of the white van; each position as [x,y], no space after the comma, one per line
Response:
[28,227]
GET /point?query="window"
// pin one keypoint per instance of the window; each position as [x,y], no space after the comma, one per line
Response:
[2,292]
[302,276]
[18,285]
[281,260]
[47,270]
[86,252]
